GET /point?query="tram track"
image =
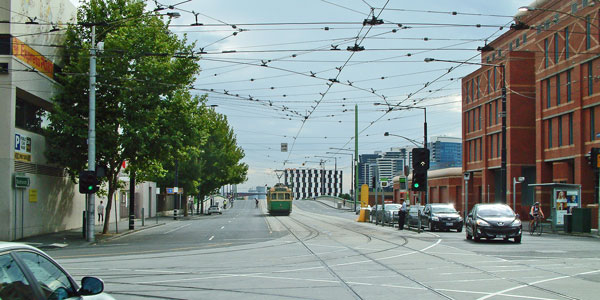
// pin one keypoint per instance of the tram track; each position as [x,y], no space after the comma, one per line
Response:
[447,260]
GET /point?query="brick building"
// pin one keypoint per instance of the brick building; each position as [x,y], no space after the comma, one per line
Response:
[552,102]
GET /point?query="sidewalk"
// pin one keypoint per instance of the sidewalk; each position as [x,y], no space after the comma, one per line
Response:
[74,237]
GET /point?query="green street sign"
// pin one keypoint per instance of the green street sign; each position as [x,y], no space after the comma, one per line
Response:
[22,182]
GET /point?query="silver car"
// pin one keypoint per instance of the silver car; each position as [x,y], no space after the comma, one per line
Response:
[29,273]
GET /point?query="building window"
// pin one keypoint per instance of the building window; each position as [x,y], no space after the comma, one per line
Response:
[470,150]
[588,29]
[488,81]
[30,117]
[592,124]
[494,82]
[491,146]
[475,149]
[567,42]
[558,89]
[550,133]
[467,92]
[524,38]
[590,79]
[571,129]
[546,53]
[474,128]
[568,85]
[472,89]
[556,51]
[497,145]
[468,121]
[517,43]
[560,132]
[548,102]
[479,119]
[490,114]
[478,77]
[496,110]
[480,149]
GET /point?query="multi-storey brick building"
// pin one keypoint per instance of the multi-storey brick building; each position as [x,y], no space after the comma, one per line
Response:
[552,101]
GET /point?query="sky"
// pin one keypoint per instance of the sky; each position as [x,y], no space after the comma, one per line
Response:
[282,72]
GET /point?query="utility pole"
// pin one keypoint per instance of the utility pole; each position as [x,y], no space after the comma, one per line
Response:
[92,137]
[356,155]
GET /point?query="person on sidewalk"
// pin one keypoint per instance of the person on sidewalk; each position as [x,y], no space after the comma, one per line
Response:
[100,212]
[402,215]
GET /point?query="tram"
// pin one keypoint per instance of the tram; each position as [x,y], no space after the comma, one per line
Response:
[279,200]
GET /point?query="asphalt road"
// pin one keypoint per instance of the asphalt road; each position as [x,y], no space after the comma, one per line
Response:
[321,253]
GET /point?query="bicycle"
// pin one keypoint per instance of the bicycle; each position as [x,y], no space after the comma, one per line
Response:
[537,227]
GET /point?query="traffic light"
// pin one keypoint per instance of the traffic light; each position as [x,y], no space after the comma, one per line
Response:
[420,159]
[88,182]
[419,181]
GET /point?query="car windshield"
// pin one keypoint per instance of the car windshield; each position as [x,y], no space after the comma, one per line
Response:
[392,206]
[443,209]
[495,211]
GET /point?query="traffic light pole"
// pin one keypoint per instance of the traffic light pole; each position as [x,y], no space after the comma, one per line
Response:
[426,195]
[91,203]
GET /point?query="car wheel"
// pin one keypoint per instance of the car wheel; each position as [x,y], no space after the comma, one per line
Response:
[469,237]
[518,239]
[475,237]
[459,229]
[209,214]
[431,229]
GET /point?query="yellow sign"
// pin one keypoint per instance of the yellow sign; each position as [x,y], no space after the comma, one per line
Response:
[597,160]
[23,157]
[33,195]
[33,58]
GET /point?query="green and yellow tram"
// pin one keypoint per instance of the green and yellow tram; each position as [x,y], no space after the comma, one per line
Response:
[279,200]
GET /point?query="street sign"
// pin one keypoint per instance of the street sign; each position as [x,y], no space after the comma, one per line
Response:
[383,181]
[284,147]
[21,182]
[467,175]
[169,190]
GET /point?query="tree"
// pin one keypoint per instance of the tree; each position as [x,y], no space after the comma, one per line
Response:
[142,82]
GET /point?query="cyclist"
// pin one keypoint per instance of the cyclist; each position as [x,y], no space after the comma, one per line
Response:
[535,212]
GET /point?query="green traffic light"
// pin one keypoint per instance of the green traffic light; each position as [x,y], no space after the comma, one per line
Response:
[91,187]
[416,185]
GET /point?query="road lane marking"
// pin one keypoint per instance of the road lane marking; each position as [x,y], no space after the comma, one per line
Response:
[175,229]
[212,237]
[536,282]
[222,227]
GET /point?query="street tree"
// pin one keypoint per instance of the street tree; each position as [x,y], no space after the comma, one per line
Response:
[143,74]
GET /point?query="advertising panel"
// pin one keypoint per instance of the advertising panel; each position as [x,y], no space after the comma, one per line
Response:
[564,200]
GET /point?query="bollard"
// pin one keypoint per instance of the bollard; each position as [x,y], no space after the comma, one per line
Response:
[143,216]
[84,224]
[419,221]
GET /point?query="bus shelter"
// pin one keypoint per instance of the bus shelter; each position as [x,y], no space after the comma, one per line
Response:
[564,198]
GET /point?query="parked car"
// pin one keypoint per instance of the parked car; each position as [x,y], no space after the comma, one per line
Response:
[441,216]
[492,221]
[215,209]
[412,217]
[374,214]
[391,213]
[29,273]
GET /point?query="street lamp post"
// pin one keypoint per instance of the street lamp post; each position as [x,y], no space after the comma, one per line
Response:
[515,182]
[334,169]
[502,114]
[354,173]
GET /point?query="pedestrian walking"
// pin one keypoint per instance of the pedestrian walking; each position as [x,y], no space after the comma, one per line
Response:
[191,205]
[402,215]
[100,212]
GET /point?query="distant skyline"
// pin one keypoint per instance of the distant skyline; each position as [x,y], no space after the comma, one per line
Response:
[273,69]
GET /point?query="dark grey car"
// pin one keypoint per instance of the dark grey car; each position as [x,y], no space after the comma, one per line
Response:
[491,221]
[412,217]
[441,216]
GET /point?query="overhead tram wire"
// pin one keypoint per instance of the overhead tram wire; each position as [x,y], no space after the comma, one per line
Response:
[337,76]
[401,102]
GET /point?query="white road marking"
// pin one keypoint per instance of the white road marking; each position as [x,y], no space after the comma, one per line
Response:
[212,237]
[534,283]
[222,227]
[175,229]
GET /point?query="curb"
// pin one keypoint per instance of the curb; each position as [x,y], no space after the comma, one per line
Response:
[128,232]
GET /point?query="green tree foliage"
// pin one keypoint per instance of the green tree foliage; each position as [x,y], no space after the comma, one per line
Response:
[142,106]
[217,163]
